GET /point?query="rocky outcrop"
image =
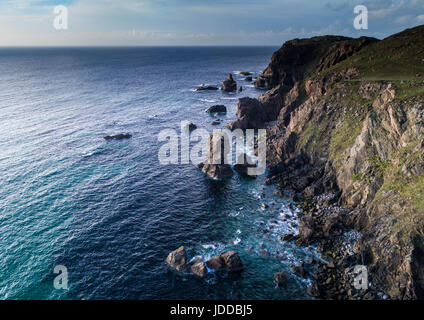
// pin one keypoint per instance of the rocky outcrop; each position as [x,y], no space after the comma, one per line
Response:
[214,168]
[280,278]
[177,259]
[249,114]
[228,261]
[120,136]
[229,85]
[218,171]
[231,261]
[219,108]
[299,270]
[255,113]
[207,88]
[299,58]
[199,269]
[215,263]
[289,66]
[306,227]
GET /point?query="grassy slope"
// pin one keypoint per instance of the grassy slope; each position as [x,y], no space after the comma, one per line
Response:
[398,57]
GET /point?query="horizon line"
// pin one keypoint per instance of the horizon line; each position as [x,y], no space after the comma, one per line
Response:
[136,46]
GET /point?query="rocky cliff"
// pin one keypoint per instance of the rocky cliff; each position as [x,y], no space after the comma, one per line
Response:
[350,131]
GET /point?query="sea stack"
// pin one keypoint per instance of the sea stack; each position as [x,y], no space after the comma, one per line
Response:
[229,85]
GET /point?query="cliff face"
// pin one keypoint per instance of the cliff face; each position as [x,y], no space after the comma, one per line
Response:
[350,127]
[299,58]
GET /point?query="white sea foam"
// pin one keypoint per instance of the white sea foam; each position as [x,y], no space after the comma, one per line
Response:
[234,213]
[208,100]
[209,246]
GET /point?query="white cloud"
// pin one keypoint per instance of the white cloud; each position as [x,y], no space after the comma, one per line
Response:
[154,22]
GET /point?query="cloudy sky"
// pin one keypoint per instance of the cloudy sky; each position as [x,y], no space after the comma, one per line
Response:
[197,22]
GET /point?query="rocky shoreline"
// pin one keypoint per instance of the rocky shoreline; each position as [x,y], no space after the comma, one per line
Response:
[321,222]
[351,150]
[329,229]
[344,134]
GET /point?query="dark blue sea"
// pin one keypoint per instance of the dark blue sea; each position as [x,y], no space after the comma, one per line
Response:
[108,210]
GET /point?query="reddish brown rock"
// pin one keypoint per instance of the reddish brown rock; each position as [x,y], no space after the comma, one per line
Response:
[215,263]
[232,261]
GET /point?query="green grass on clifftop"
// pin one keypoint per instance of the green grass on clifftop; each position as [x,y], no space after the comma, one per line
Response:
[398,57]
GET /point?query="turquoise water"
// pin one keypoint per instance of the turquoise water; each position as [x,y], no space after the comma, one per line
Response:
[107,210]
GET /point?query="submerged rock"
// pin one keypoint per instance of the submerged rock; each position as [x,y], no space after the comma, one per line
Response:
[280,278]
[245,73]
[232,261]
[229,85]
[177,259]
[120,136]
[205,88]
[249,79]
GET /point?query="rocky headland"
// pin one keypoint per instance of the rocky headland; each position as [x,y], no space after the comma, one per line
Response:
[345,132]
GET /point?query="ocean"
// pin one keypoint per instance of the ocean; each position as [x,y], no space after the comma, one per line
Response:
[108,210]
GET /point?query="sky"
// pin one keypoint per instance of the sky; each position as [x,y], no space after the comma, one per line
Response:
[197,22]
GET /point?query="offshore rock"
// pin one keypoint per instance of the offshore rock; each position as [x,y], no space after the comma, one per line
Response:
[232,261]
[219,170]
[199,269]
[280,278]
[177,259]
[215,263]
[229,85]
[120,136]
[205,88]
[219,108]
